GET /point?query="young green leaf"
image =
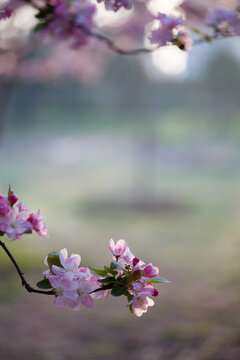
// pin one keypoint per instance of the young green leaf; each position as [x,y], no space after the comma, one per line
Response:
[116,266]
[44,284]
[157,280]
[118,291]
[99,271]
[53,259]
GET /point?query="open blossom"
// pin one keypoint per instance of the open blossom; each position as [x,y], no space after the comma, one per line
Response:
[38,224]
[65,291]
[73,286]
[118,249]
[140,304]
[15,223]
[84,287]
[70,265]
[165,33]
[115,5]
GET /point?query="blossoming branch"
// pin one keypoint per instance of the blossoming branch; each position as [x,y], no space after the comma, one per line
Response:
[71,284]
[75,21]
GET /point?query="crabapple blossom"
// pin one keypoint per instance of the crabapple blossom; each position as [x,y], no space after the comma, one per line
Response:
[165,33]
[38,224]
[140,304]
[15,223]
[118,249]
[150,271]
[65,291]
[15,219]
[68,265]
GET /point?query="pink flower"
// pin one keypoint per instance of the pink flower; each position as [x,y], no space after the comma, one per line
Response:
[164,34]
[37,221]
[150,271]
[118,249]
[84,287]
[183,39]
[69,265]
[141,300]
[140,304]
[15,223]
[65,291]
[115,5]
[4,205]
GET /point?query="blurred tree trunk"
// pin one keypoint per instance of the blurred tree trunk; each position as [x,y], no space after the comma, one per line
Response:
[6,88]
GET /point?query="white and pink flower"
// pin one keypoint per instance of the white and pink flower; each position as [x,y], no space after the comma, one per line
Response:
[15,223]
[118,249]
[38,223]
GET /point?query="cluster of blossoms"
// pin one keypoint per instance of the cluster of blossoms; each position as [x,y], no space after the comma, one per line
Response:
[16,218]
[223,20]
[67,20]
[171,30]
[127,275]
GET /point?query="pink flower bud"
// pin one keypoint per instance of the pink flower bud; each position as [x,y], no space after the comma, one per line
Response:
[155,292]
[12,199]
[135,261]
[150,271]
[4,205]
[118,249]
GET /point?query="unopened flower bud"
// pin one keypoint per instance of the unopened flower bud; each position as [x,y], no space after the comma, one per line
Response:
[135,261]
[12,199]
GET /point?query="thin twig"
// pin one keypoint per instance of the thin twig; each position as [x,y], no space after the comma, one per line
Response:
[27,286]
[110,43]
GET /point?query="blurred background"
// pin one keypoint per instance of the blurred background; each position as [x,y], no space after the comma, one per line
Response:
[147,151]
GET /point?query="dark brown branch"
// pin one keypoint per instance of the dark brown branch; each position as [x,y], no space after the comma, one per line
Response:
[110,43]
[112,46]
[27,286]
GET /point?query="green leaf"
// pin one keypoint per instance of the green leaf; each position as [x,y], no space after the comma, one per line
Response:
[157,280]
[129,296]
[44,284]
[197,31]
[130,308]
[118,291]
[135,275]
[116,266]
[109,271]
[107,280]
[1,233]
[53,259]
[41,26]
[99,271]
